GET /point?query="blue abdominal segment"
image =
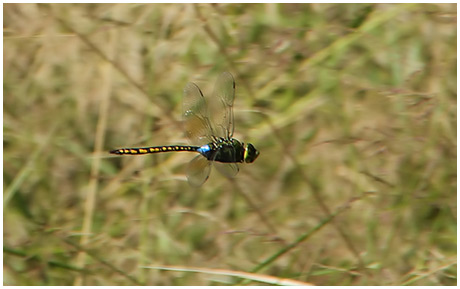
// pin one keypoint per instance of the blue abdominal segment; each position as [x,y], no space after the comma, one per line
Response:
[205,150]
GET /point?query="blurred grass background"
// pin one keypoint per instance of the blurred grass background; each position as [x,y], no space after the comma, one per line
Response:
[353,108]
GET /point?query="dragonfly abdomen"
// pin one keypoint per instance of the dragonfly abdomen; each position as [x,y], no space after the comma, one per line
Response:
[154,150]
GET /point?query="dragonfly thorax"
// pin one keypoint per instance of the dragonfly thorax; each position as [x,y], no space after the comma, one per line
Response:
[229,151]
[223,150]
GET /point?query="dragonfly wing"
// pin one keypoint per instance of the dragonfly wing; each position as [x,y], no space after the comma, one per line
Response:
[229,170]
[197,126]
[198,171]
[221,105]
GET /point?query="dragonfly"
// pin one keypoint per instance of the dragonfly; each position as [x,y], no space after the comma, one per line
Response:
[207,120]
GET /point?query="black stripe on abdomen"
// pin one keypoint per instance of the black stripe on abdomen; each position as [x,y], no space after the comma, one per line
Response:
[154,150]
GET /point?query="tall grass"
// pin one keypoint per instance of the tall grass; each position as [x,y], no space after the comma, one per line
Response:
[352,106]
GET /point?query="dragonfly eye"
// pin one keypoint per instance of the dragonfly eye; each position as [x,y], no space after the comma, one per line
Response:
[250,153]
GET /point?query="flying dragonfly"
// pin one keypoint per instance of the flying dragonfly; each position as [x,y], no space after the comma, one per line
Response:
[209,121]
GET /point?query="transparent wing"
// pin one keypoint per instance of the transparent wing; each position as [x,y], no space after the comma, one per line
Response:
[198,171]
[229,170]
[197,126]
[221,105]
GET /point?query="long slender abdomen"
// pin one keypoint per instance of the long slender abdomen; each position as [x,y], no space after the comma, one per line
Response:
[154,150]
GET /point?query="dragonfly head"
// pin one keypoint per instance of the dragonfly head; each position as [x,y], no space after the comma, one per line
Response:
[250,153]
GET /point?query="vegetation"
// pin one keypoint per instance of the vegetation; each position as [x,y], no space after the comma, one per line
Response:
[352,106]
